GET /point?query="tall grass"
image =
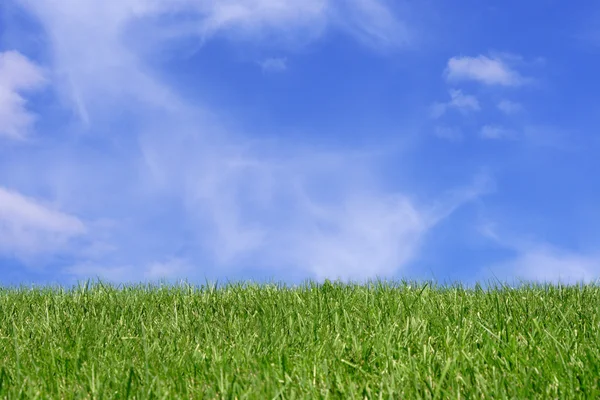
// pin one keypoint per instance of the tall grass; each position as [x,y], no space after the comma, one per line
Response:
[379,340]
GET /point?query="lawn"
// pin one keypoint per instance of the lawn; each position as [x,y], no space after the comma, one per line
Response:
[264,341]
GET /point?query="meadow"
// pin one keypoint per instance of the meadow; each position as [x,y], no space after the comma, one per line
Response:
[267,341]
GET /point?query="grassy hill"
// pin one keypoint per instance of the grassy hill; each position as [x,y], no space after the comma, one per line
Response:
[251,341]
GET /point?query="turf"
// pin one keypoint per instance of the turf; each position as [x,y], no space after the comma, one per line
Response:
[251,341]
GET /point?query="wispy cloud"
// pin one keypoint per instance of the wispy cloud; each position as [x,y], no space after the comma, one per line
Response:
[509,107]
[29,228]
[233,200]
[497,132]
[92,56]
[372,22]
[171,269]
[17,76]
[483,69]
[459,101]
[284,22]
[318,213]
[548,264]
[363,237]
[538,261]
[531,135]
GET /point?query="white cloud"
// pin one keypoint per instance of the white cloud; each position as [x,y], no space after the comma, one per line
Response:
[274,64]
[463,102]
[29,228]
[368,20]
[378,236]
[539,261]
[312,212]
[549,264]
[92,56]
[459,101]
[363,238]
[497,132]
[489,71]
[167,269]
[509,107]
[372,22]
[17,75]
[153,272]
[238,200]
[106,273]
[545,263]
[530,135]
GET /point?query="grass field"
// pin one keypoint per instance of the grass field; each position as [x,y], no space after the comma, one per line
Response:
[379,340]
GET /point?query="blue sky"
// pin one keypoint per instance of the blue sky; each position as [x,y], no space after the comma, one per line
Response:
[143,140]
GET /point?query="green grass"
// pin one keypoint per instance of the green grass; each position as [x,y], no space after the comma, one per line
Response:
[381,340]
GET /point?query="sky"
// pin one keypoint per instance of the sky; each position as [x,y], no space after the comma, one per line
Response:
[285,140]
